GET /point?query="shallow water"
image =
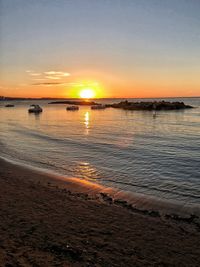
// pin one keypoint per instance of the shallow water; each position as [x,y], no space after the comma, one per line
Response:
[128,150]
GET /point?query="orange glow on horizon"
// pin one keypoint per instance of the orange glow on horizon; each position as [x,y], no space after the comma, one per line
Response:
[87,89]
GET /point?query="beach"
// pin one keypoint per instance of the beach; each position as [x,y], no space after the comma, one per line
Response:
[47,221]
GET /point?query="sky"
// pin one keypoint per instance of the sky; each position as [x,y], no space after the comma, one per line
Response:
[118,48]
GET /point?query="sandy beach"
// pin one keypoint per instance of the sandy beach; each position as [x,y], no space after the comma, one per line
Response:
[51,222]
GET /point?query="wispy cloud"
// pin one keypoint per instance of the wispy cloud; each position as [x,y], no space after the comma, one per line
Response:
[34,74]
[44,83]
[48,75]
[50,84]
[57,73]
[52,77]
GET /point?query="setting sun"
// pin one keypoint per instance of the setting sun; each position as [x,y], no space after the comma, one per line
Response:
[86,89]
[87,93]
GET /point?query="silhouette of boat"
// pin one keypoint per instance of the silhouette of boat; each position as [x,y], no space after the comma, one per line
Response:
[35,109]
[98,106]
[72,108]
[9,105]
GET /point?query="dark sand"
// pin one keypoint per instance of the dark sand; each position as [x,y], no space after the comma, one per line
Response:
[47,222]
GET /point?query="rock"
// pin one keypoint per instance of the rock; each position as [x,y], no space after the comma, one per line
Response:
[106,198]
[176,217]
[150,105]
[154,213]
[121,202]
[74,102]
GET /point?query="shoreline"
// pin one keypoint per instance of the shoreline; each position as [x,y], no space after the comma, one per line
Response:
[50,222]
[132,200]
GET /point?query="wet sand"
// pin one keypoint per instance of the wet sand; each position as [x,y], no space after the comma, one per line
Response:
[45,221]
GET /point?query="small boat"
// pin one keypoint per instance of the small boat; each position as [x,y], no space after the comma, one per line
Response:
[35,109]
[98,106]
[9,106]
[72,108]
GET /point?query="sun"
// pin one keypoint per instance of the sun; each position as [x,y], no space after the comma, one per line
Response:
[86,89]
[87,93]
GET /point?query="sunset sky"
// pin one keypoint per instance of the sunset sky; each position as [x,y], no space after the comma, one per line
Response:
[118,48]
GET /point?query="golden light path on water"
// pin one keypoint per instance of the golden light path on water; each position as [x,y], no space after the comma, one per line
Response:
[86,122]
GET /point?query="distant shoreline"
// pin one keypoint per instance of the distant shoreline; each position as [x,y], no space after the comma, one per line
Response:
[5,98]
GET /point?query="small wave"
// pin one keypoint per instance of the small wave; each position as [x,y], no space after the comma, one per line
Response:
[153,188]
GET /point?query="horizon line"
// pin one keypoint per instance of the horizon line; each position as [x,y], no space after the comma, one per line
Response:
[40,98]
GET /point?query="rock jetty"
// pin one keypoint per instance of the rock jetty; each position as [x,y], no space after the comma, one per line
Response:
[74,102]
[150,105]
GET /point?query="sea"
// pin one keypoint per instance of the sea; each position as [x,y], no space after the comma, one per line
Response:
[131,151]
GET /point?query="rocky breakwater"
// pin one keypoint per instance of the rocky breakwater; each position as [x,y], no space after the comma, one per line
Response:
[150,105]
[74,102]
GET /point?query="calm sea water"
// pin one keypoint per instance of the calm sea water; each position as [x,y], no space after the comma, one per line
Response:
[128,150]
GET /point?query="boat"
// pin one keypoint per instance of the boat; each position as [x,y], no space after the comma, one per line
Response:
[98,106]
[9,106]
[35,109]
[72,108]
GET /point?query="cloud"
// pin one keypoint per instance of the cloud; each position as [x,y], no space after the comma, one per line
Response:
[53,83]
[48,83]
[48,75]
[52,77]
[57,73]
[35,74]
[50,72]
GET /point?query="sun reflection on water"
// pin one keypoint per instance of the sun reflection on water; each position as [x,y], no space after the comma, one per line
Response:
[87,121]
[87,171]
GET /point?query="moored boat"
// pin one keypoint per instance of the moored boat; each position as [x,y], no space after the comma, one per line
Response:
[9,106]
[72,108]
[98,106]
[35,109]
